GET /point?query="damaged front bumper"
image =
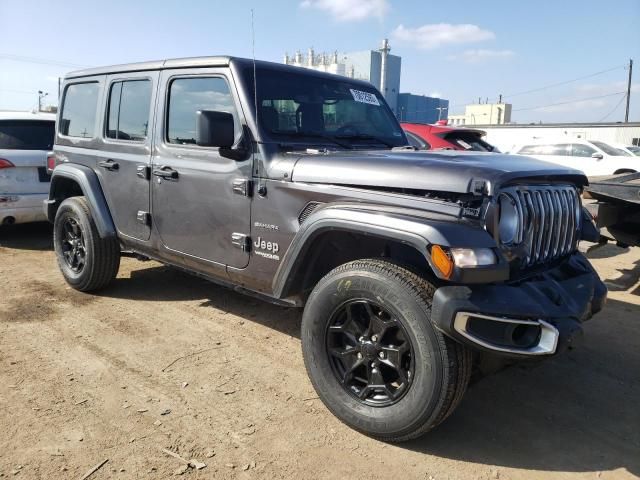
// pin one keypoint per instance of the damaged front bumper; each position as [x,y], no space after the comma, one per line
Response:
[542,315]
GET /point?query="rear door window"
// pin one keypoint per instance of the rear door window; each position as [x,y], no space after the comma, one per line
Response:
[78,117]
[556,149]
[26,134]
[129,103]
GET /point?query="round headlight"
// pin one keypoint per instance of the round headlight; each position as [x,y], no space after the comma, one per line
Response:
[509,223]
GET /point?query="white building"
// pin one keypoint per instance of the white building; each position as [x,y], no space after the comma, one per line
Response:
[483,114]
[505,137]
[378,67]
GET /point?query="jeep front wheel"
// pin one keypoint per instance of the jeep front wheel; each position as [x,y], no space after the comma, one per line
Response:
[87,261]
[373,355]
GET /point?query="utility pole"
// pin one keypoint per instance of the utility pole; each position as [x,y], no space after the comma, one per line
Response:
[626,112]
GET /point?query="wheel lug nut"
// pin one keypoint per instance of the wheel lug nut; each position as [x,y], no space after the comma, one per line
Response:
[381,355]
[359,355]
[373,364]
[361,339]
[374,338]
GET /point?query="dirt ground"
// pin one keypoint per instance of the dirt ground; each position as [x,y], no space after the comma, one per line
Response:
[163,360]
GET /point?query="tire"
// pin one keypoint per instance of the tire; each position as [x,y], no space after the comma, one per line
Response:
[95,261]
[437,369]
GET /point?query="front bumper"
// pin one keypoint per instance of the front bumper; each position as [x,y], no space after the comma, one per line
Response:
[538,316]
[21,208]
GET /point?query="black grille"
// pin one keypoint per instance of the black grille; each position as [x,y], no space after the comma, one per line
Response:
[549,220]
[307,210]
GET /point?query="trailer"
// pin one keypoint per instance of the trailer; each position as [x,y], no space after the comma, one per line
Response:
[617,208]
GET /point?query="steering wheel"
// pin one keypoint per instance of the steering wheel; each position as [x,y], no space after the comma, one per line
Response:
[347,130]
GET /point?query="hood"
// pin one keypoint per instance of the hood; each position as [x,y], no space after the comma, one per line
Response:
[445,171]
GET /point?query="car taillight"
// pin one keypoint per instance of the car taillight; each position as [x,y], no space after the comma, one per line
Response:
[4,163]
[51,162]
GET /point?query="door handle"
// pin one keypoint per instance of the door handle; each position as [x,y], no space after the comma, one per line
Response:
[109,164]
[166,172]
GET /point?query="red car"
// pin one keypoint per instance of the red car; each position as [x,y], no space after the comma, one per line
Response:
[442,137]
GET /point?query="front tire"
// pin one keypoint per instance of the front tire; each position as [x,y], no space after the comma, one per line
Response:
[373,355]
[87,261]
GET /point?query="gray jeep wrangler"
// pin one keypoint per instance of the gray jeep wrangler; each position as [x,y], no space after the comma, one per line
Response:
[414,269]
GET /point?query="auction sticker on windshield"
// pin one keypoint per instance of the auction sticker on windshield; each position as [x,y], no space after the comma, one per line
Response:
[364,97]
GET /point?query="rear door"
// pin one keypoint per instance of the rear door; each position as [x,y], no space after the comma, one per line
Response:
[124,159]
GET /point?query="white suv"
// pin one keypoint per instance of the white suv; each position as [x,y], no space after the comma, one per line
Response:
[593,157]
[25,139]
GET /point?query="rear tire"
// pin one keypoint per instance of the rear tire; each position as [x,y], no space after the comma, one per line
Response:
[392,404]
[87,261]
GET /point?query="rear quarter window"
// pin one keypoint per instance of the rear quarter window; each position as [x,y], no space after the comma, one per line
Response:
[26,134]
[79,108]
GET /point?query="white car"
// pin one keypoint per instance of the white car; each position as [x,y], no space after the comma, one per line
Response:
[632,149]
[593,157]
[25,139]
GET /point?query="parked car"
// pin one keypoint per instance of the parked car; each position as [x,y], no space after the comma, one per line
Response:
[593,157]
[414,268]
[632,149]
[442,137]
[25,139]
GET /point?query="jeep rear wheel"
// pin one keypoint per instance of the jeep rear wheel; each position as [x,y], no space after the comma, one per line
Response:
[87,261]
[373,355]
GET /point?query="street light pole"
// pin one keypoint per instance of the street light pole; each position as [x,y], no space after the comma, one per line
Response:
[626,112]
[440,111]
[41,96]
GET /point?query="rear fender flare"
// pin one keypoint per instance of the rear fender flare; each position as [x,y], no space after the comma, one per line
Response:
[88,182]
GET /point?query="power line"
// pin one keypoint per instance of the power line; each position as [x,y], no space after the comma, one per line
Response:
[539,89]
[577,100]
[614,109]
[25,92]
[453,105]
[42,61]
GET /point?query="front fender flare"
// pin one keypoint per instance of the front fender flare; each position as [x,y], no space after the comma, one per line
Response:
[88,182]
[420,233]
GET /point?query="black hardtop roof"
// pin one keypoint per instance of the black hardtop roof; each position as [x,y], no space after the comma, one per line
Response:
[200,62]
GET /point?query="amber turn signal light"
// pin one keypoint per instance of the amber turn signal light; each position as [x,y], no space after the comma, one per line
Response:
[442,261]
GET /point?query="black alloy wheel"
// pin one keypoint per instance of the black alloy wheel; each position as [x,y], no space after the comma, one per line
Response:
[87,261]
[74,251]
[370,352]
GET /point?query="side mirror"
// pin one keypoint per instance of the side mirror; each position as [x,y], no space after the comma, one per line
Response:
[214,129]
[597,156]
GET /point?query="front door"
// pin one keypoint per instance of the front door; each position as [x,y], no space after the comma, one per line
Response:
[195,209]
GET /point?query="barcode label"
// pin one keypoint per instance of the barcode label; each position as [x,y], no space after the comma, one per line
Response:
[364,97]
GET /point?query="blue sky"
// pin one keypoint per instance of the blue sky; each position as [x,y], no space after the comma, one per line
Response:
[460,49]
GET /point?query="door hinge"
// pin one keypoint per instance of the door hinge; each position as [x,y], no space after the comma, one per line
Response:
[242,241]
[143,171]
[143,217]
[242,186]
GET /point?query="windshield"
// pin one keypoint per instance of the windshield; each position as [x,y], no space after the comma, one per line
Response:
[26,134]
[635,150]
[609,150]
[304,107]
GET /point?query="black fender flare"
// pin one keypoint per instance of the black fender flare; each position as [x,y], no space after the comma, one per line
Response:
[420,233]
[88,182]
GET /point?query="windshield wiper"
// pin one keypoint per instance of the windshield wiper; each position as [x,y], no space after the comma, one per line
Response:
[363,136]
[324,136]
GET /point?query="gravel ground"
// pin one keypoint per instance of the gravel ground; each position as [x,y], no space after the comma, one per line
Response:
[163,360]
